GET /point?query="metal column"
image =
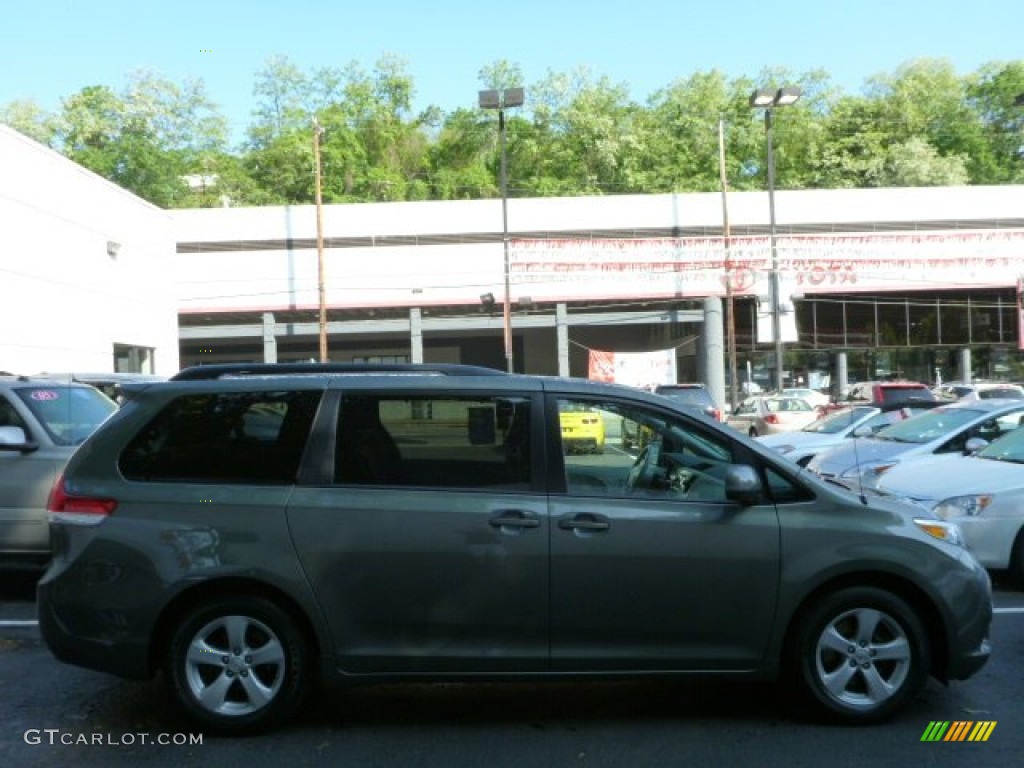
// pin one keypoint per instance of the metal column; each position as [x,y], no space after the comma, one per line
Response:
[713,350]
[562,329]
[416,334]
[269,338]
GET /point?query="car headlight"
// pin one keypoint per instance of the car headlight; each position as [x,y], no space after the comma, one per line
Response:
[963,506]
[941,530]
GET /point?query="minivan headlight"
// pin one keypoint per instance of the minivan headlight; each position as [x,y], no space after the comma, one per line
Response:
[941,530]
[963,506]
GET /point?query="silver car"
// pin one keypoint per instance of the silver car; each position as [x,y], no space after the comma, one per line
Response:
[835,427]
[251,531]
[859,464]
[42,422]
[982,493]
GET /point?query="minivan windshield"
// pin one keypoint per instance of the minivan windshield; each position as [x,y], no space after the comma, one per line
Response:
[68,414]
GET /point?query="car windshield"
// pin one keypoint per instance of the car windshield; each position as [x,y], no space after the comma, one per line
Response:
[1009,447]
[69,414]
[1000,392]
[692,395]
[930,426]
[786,404]
[840,420]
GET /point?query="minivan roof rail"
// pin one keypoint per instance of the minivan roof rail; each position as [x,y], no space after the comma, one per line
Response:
[228,370]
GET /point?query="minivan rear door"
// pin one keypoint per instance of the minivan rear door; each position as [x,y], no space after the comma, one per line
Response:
[426,538]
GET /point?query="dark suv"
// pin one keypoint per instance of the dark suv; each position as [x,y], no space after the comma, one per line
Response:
[691,396]
[252,530]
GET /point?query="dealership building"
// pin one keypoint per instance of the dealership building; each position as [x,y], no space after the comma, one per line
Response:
[918,283]
[85,270]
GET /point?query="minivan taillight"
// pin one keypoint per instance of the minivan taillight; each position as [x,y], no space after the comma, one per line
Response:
[63,507]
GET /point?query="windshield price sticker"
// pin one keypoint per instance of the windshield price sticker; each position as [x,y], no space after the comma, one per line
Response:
[45,394]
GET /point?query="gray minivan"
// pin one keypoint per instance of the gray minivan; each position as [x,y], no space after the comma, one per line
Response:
[252,530]
[42,422]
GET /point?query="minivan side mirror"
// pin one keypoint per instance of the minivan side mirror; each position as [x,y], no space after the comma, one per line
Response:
[743,485]
[15,439]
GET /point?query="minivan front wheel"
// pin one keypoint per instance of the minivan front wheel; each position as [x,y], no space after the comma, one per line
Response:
[861,653]
[238,665]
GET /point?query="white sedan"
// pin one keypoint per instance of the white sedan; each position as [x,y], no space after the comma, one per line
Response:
[982,493]
[814,397]
[768,415]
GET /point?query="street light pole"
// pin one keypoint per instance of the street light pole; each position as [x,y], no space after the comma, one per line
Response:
[321,286]
[500,100]
[769,100]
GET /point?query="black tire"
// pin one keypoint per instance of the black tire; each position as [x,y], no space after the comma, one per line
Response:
[860,654]
[752,432]
[259,667]
[1015,567]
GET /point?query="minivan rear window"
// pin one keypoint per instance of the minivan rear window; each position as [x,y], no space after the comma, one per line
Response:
[226,437]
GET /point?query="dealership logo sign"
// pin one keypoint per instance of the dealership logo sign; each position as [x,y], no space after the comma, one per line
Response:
[967,730]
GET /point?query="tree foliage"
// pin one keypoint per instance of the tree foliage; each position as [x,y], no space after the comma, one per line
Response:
[578,134]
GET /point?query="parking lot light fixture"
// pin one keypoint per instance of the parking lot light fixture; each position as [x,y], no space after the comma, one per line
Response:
[769,99]
[502,99]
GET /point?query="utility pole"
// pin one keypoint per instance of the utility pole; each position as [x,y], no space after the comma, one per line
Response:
[727,243]
[317,133]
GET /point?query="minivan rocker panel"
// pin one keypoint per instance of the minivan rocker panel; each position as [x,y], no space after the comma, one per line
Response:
[250,531]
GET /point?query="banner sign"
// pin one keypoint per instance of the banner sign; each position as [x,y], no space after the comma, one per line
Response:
[696,266]
[645,370]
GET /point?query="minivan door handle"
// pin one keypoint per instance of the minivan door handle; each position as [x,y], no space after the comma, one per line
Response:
[587,523]
[513,518]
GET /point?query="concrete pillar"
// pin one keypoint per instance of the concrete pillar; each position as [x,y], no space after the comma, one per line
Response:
[842,376]
[562,333]
[269,338]
[964,365]
[712,351]
[416,335]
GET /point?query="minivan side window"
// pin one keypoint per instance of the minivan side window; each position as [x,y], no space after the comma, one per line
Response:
[434,441]
[623,451]
[227,437]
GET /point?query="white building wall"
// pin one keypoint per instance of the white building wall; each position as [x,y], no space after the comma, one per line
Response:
[64,300]
[895,256]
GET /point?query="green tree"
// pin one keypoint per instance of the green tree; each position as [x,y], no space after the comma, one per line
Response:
[992,92]
[28,118]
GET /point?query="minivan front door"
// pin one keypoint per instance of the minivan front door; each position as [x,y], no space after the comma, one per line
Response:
[652,567]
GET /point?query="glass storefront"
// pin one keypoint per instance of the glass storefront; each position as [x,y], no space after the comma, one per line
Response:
[916,335]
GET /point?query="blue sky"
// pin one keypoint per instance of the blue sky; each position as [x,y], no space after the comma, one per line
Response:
[49,50]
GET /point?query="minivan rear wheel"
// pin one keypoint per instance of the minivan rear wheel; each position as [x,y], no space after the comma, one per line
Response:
[860,654]
[238,665]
